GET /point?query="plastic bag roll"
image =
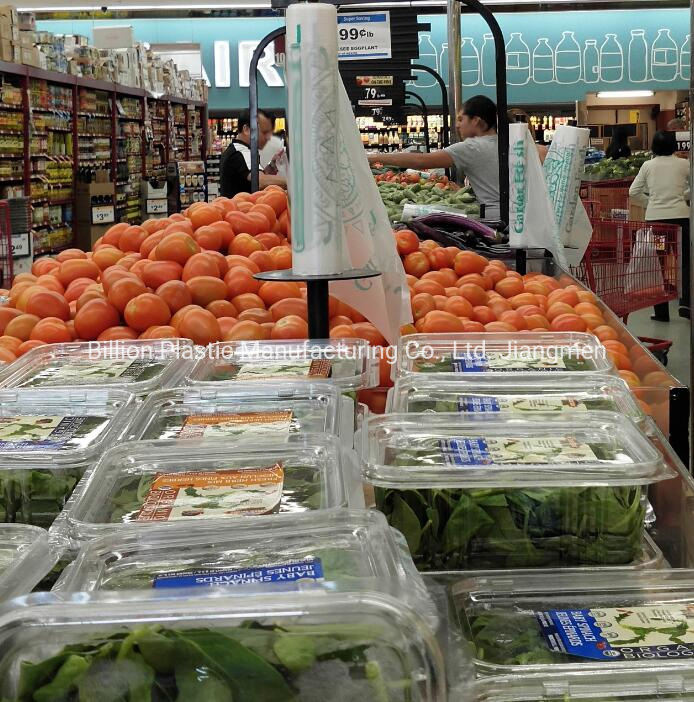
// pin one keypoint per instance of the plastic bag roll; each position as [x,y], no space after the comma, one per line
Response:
[312,115]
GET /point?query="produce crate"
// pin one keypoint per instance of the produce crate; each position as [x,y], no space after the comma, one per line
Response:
[631,265]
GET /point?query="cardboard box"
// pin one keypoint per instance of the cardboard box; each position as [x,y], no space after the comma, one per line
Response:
[86,234]
[27,39]
[6,50]
[8,13]
[113,37]
[31,57]
[84,192]
[27,20]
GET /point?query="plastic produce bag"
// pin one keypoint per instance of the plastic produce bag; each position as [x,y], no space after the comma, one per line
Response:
[384,300]
[644,272]
[563,169]
[531,215]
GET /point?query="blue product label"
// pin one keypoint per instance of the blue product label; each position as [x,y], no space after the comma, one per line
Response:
[307,569]
[469,363]
[478,403]
[660,631]
[465,452]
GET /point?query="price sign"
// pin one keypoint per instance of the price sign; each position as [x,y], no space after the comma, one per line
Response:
[20,245]
[363,36]
[375,91]
[103,214]
[157,207]
[683,141]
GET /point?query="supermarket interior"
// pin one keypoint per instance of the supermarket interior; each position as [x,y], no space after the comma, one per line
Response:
[434,255]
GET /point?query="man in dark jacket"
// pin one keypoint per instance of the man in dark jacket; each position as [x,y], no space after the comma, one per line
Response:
[235,166]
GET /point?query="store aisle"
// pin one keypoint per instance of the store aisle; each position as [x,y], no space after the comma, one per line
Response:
[676,330]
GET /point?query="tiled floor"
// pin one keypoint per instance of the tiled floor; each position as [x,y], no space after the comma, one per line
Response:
[676,330]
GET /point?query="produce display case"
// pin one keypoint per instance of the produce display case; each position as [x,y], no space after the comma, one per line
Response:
[345,363]
[348,549]
[532,355]
[642,686]
[139,366]
[341,647]
[141,484]
[25,558]
[521,396]
[242,411]
[48,439]
[519,624]
[472,492]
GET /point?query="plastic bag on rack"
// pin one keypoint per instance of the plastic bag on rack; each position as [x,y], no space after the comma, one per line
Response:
[385,300]
[532,222]
[563,168]
[644,272]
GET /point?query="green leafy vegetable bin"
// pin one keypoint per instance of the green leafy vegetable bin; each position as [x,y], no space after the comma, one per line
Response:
[251,663]
[480,492]
[449,529]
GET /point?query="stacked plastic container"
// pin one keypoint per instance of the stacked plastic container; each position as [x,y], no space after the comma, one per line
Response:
[219,542]
[518,468]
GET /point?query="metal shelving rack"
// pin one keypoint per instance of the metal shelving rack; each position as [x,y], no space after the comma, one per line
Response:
[21,75]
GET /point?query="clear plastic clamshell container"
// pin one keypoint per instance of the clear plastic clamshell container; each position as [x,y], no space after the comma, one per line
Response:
[48,439]
[346,363]
[298,646]
[648,685]
[242,411]
[25,558]
[471,493]
[490,395]
[521,624]
[139,366]
[353,549]
[531,354]
[140,484]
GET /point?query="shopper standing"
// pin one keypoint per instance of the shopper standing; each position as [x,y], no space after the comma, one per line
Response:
[663,185]
[273,146]
[235,164]
[619,146]
[476,156]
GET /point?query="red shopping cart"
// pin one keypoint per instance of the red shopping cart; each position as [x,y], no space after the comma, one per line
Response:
[631,265]
[611,198]
[5,245]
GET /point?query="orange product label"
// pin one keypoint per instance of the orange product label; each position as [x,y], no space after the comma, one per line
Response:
[213,494]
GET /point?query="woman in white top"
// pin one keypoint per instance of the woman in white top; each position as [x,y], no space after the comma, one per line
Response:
[662,185]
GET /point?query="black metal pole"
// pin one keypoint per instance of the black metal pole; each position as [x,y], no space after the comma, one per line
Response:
[446,135]
[425,115]
[318,304]
[253,103]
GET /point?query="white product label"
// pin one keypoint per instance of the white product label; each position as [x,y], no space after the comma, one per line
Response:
[103,214]
[364,35]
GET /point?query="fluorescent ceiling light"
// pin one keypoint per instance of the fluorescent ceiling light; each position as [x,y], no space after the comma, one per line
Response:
[625,93]
[110,7]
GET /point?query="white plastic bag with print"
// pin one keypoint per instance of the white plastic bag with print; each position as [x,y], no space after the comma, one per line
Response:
[531,216]
[367,234]
[563,168]
[644,272]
